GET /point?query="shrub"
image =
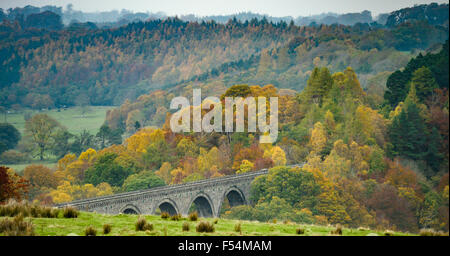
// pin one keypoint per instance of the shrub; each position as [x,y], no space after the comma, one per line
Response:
[106,229]
[274,221]
[337,231]
[34,211]
[300,231]
[90,231]
[55,212]
[363,229]
[388,233]
[148,226]
[13,157]
[13,208]
[176,217]
[238,228]
[70,212]
[186,226]
[205,226]
[142,225]
[193,216]
[16,227]
[46,212]
[165,215]
[431,232]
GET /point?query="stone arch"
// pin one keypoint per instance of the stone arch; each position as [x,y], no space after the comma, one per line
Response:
[167,205]
[235,197]
[130,209]
[205,206]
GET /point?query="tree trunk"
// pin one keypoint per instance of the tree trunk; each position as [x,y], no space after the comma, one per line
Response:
[41,153]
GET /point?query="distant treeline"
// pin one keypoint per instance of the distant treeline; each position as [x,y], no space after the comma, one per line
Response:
[44,64]
[433,13]
[105,66]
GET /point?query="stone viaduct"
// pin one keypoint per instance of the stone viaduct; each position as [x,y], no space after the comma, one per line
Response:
[207,195]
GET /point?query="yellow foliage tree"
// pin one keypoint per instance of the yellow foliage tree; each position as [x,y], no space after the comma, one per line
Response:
[245,166]
[278,156]
[206,160]
[164,172]
[177,176]
[68,192]
[330,124]
[318,139]
[140,141]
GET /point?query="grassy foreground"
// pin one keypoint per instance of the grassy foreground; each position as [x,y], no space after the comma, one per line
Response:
[124,225]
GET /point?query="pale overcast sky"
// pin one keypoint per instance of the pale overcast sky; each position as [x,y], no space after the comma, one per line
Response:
[219,7]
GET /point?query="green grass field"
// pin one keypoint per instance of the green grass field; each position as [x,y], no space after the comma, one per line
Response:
[124,225]
[71,118]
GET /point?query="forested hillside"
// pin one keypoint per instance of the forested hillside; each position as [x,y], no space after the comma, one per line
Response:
[363,108]
[42,68]
[433,13]
[364,166]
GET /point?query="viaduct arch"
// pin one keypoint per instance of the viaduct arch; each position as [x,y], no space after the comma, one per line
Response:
[207,195]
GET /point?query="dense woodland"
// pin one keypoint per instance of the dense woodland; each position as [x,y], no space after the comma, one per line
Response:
[365,108]
[47,68]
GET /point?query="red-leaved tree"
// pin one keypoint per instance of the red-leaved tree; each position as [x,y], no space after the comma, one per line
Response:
[12,186]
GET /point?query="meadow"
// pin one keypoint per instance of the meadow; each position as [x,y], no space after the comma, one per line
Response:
[124,225]
[72,118]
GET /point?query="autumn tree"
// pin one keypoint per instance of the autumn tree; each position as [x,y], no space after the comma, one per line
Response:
[318,85]
[67,191]
[428,212]
[208,162]
[277,155]
[12,186]
[41,179]
[245,166]
[40,176]
[391,209]
[186,147]
[318,139]
[164,172]
[40,129]
[237,91]
[156,154]
[73,169]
